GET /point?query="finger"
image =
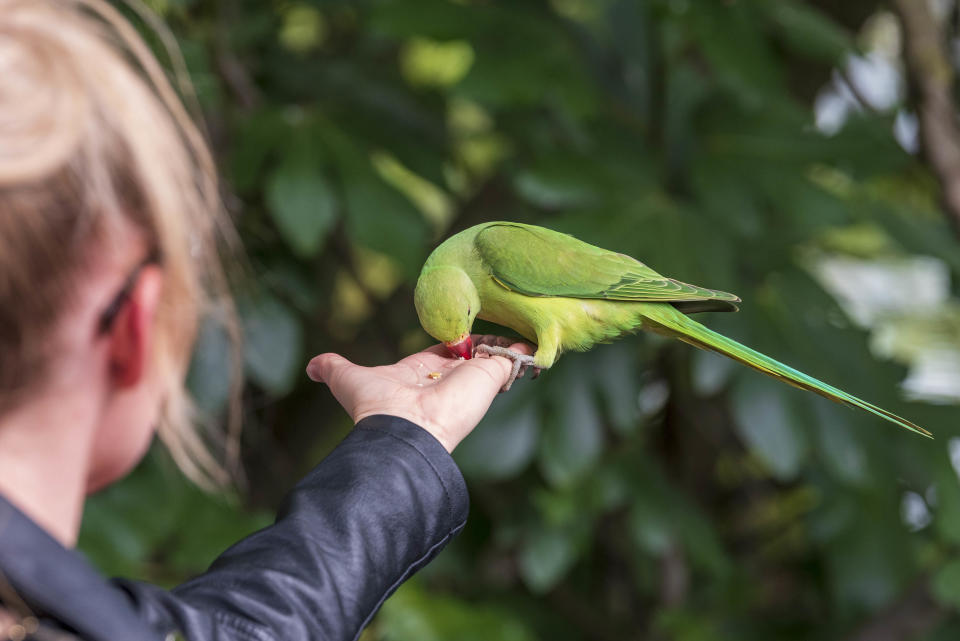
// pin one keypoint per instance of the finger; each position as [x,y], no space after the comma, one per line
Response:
[324,367]
[488,374]
[523,348]
[480,378]
[501,341]
[485,339]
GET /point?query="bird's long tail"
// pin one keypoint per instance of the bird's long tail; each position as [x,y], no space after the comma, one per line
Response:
[668,321]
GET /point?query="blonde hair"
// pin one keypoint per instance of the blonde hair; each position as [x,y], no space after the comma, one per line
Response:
[93,136]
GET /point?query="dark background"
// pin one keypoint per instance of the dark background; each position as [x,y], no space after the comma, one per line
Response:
[797,154]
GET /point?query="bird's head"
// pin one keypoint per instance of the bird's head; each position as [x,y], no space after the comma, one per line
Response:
[447,303]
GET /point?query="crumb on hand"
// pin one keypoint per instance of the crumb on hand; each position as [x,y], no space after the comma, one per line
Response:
[434,375]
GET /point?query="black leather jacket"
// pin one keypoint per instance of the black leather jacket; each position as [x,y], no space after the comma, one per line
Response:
[377,509]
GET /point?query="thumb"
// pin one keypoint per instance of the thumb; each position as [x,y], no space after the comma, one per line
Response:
[324,367]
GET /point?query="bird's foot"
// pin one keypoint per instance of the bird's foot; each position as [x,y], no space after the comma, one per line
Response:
[520,362]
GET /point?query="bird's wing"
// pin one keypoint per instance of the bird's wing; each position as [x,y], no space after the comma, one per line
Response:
[541,262]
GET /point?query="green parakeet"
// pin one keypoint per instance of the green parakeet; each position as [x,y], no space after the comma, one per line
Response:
[564,294]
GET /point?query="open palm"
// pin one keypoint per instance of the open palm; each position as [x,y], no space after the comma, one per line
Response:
[445,396]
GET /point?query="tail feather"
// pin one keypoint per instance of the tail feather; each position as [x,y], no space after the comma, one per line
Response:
[670,322]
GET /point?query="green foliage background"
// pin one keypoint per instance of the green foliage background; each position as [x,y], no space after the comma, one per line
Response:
[638,491]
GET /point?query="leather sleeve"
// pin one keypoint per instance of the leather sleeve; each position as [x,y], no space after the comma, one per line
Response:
[376,510]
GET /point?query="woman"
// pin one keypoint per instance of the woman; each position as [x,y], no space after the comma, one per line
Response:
[108,211]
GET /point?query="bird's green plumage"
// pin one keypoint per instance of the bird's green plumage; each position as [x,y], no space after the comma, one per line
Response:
[564,294]
[541,262]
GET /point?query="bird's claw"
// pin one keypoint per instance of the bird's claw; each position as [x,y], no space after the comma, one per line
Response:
[520,362]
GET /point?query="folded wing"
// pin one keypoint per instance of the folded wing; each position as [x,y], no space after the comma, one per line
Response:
[540,262]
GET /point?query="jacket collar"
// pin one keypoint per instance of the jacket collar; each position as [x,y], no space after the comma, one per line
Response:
[59,583]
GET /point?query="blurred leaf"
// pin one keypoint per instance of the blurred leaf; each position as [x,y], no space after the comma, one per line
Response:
[434,19]
[555,183]
[432,201]
[304,28]
[435,64]
[273,344]
[867,564]
[945,631]
[378,216]
[947,515]
[520,60]
[841,451]
[302,203]
[650,527]
[737,50]
[766,421]
[292,284]
[711,372]
[215,525]
[618,382]
[546,555]
[413,614]
[256,139]
[572,442]
[686,90]
[211,369]
[808,31]
[126,525]
[504,442]
[661,517]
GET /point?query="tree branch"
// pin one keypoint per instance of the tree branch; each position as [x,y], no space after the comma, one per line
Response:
[931,78]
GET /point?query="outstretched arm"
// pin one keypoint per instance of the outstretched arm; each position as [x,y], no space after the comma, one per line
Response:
[377,509]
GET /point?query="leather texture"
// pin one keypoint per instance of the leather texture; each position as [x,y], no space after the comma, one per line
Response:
[376,510]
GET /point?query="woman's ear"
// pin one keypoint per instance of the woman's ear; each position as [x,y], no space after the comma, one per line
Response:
[132,332]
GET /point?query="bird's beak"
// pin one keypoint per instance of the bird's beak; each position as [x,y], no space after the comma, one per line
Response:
[462,348]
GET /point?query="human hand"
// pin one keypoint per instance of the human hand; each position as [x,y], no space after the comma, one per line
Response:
[448,406]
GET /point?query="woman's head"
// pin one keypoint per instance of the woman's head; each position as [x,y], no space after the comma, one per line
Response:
[100,169]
